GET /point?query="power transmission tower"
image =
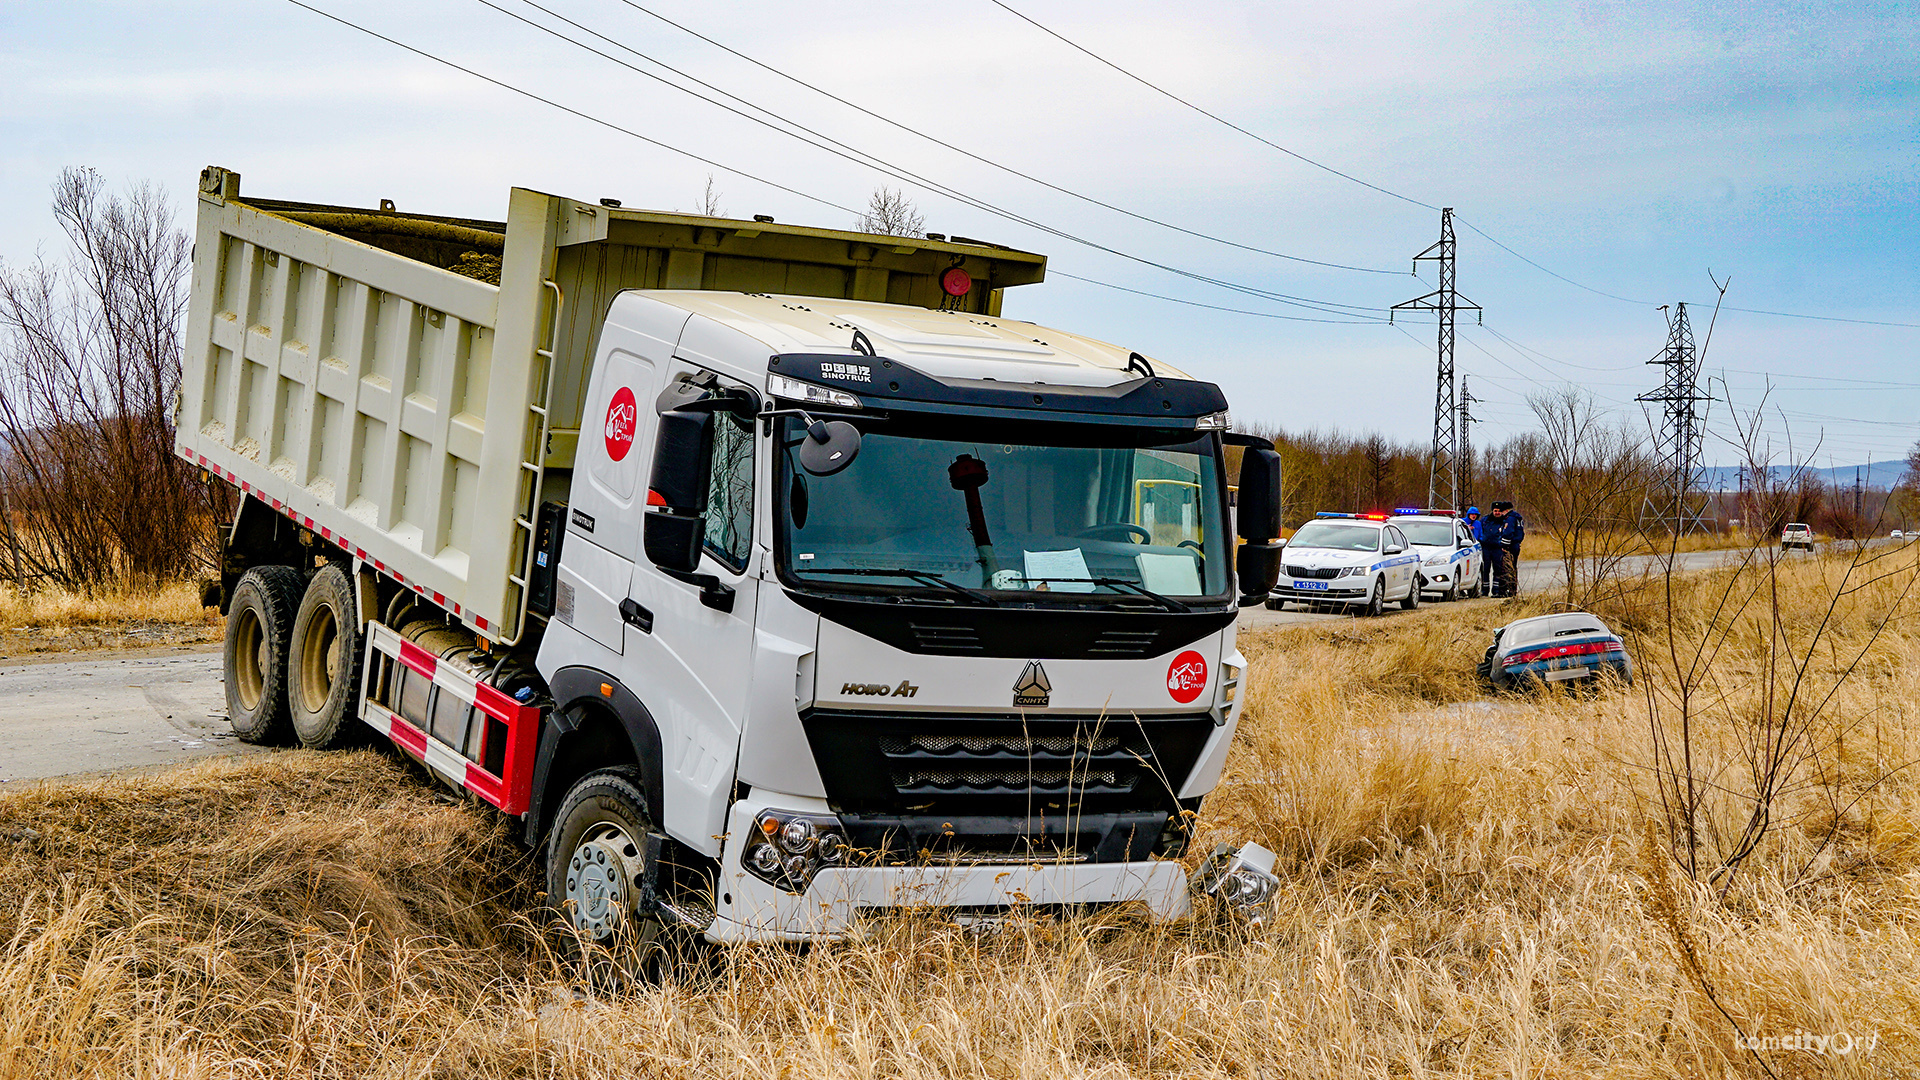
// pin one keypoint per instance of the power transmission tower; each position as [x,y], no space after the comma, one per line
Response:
[1677,441]
[1465,493]
[1443,468]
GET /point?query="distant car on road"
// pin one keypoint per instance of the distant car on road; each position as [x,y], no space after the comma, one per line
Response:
[1355,560]
[1897,534]
[1449,555]
[1796,535]
[1565,647]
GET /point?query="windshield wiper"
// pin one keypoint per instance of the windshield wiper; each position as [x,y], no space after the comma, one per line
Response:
[921,576]
[1167,602]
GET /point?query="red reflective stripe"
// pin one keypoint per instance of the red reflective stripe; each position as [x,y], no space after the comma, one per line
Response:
[418,658]
[480,622]
[408,737]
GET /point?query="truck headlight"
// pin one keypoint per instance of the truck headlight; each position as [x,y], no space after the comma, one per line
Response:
[788,848]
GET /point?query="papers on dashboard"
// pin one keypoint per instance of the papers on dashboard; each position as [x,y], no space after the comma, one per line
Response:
[1062,571]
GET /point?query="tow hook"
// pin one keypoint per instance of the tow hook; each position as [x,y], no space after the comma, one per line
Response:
[1240,878]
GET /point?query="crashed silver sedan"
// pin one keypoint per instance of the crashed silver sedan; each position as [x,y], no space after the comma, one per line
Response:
[1565,647]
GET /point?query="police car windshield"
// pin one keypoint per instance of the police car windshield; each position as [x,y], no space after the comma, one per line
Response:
[1337,535]
[1428,533]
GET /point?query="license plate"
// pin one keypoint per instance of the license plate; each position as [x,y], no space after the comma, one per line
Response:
[1564,674]
[1320,586]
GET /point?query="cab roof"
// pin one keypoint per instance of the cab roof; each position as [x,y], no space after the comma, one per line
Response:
[943,344]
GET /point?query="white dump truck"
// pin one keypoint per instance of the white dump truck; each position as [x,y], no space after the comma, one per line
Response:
[767,574]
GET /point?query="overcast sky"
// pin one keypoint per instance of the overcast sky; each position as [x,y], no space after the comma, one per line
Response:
[1629,148]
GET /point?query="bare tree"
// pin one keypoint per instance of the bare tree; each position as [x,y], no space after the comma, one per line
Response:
[1585,478]
[90,357]
[889,212]
[710,200]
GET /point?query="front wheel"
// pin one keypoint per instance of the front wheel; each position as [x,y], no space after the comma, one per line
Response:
[1377,600]
[597,862]
[1412,599]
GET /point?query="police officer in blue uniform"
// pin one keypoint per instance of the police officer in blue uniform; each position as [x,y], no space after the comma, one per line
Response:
[1504,531]
[1486,555]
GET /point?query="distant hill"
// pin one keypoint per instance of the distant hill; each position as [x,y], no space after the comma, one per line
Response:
[1881,475]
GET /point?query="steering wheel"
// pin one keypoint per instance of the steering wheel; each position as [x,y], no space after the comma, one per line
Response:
[1105,532]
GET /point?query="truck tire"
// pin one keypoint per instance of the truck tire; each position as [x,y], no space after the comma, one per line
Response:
[323,658]
[596,859]
[259,626]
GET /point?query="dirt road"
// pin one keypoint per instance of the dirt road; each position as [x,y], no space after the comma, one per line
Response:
[90,712]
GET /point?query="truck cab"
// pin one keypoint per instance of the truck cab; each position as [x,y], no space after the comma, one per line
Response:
[985,658]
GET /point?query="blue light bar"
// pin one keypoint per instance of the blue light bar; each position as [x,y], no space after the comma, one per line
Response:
[1332,514]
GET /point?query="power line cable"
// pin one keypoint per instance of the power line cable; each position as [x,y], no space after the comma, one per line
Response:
[876,164]
[611,126]
[1063,39]
[982,159]
[1213,307]
[1215,117]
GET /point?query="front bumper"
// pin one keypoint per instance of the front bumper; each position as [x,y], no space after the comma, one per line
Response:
[1346,590]
[751,909]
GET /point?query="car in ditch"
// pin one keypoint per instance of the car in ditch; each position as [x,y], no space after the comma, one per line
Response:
[1565,647]
[1360,562]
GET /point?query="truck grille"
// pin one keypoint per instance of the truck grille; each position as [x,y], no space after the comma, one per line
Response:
[1002,787]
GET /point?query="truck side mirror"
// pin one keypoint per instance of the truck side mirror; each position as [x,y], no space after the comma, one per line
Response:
[1257,562]
[675,527]
[682,461]
[1258,567]
[673,541]
[1259,495]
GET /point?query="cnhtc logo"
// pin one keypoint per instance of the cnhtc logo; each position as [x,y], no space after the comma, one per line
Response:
[1031,690]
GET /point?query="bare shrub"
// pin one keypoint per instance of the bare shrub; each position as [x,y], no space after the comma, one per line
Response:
[90,490]
[891,213]
[1586,479]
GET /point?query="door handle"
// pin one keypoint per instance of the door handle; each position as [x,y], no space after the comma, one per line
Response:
[636,616]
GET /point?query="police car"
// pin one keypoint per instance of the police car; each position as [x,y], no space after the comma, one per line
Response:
[1355,560]
[1449,555]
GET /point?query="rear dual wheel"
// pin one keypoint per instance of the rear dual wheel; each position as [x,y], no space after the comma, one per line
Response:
[259,629]
[292,657]
[325,653]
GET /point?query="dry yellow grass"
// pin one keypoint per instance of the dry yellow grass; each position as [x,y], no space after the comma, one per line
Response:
[1469,889]
[176,602]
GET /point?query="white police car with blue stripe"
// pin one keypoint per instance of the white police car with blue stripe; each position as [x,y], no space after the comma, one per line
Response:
[1450,560]
[1355,560]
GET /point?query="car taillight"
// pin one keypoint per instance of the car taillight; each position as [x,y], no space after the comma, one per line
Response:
[1554,652]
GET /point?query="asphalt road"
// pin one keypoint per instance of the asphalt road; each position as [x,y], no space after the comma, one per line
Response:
[111,710]
[1535,575]
[94,712]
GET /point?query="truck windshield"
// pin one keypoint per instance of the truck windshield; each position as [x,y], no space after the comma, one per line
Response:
[987,512]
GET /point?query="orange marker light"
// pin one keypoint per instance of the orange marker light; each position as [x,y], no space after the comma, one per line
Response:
[606,689]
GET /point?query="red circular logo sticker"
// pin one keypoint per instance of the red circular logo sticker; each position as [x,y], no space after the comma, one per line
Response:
[1187,676]
[622,416]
